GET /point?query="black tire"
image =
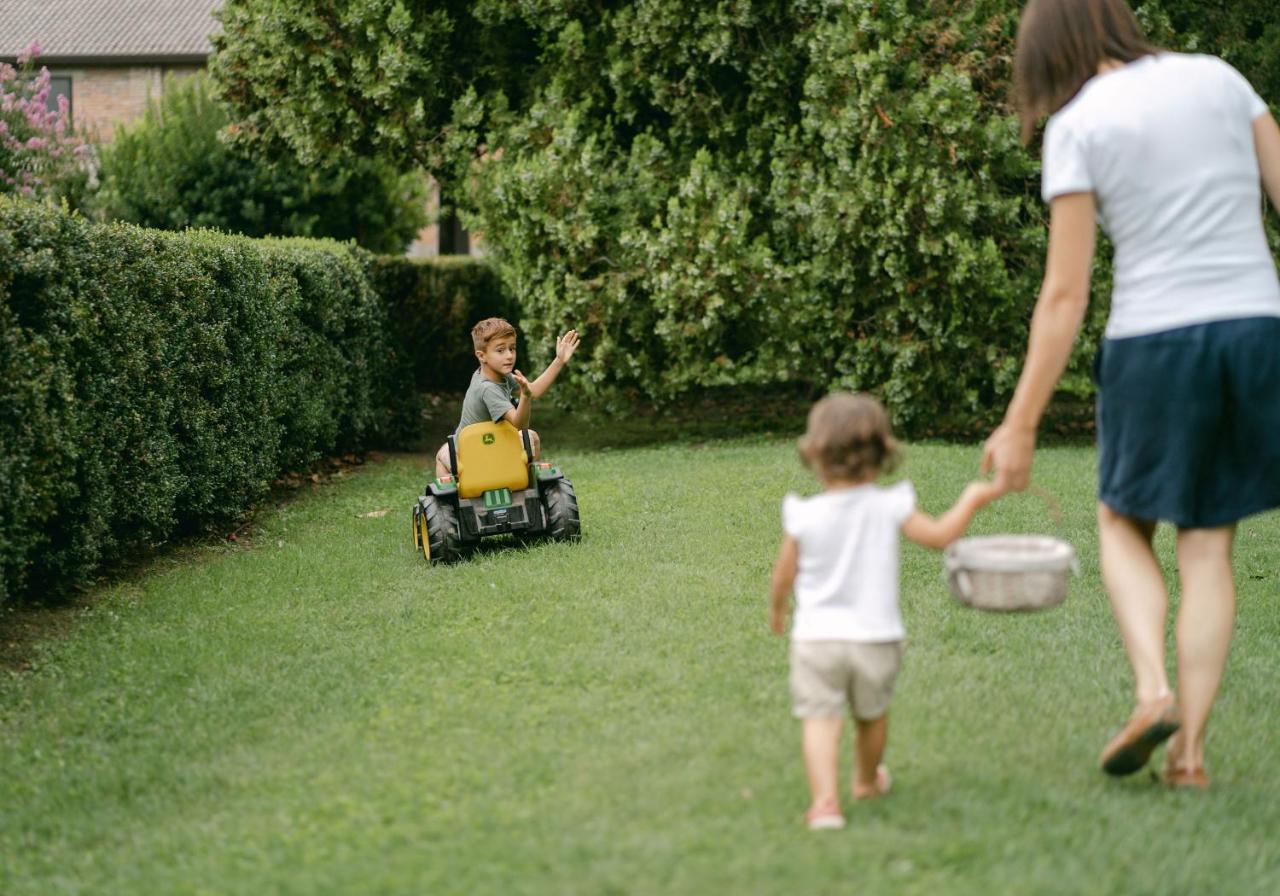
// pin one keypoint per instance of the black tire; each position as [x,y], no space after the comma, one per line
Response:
[417,539]
[563,523]
[443,539]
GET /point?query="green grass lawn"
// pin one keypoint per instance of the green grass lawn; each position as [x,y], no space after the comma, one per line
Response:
[314,710]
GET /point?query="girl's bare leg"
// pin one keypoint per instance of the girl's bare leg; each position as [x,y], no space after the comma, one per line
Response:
[821,760]
[868,750]
[1138,597]
[1206,617]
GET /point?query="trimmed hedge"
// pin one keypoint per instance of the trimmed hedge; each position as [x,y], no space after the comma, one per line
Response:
[153,383]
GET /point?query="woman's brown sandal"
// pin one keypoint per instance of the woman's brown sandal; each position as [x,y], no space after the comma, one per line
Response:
[1148,727]
[1177,777]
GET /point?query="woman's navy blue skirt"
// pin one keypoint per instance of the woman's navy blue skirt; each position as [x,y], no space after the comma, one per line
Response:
[1189,422]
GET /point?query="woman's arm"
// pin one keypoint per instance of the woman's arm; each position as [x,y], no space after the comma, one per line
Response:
[1266,142]
[1064,296]
[781,583]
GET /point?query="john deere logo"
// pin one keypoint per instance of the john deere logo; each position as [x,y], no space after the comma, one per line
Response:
[488,438]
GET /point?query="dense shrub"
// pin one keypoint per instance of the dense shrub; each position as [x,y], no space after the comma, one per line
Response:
[173,170]
[153,383]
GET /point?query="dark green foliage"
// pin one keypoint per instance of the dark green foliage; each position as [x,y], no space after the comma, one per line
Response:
[152,383]
[822,193]
[172,170]
[733,193]
[432,307]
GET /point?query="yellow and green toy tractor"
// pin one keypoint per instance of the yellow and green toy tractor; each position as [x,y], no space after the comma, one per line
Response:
[494,487]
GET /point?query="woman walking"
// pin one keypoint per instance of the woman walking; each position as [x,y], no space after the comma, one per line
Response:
[1169,152]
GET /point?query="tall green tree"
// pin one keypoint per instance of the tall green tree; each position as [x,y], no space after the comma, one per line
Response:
[174,169]
[370,77]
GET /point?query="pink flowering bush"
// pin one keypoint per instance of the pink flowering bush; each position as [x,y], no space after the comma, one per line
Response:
[41,157]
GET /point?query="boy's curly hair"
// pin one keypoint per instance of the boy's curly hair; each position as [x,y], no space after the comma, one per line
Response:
[489,329]
[848,436]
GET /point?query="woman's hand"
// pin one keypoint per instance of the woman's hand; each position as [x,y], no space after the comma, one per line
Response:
[566,345]
[980,494]
[1009,451]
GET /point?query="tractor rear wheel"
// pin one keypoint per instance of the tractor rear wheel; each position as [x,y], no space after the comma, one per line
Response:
[561,503]
[441,538]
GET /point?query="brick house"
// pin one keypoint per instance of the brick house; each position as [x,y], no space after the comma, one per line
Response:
[108,57]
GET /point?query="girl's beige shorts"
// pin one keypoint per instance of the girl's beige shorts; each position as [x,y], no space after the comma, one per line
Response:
[831,678]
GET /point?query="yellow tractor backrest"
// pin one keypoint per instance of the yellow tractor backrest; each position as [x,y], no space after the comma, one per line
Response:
[491,455]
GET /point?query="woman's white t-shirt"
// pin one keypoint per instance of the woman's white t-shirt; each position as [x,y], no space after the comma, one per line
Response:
[847,584]
[1165,144]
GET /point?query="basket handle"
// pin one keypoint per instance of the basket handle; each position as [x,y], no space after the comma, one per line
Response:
[1050,502]
[963,582]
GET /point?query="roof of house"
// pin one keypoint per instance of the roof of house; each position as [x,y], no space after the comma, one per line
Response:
[109,31]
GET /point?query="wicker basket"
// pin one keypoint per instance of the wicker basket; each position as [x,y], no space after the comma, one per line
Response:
[1010,572]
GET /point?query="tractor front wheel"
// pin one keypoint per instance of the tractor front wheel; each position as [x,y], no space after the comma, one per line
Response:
[440,536]
[561,504]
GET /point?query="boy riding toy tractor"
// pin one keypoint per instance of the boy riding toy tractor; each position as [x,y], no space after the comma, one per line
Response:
[494,486]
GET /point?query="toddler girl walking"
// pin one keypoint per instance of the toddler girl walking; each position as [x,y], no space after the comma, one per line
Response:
[839,557]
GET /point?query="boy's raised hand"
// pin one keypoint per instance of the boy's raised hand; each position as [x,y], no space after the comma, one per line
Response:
[522,383]
[566,345]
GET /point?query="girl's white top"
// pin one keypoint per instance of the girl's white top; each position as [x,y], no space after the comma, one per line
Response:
[1165,144]
[847,584]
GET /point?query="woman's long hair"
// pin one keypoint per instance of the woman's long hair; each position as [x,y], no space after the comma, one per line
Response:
[1060,45]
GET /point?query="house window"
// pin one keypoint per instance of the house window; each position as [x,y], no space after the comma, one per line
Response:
[59,85]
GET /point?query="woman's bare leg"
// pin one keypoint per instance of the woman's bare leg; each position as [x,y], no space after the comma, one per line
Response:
[1138,596]
[1206,617]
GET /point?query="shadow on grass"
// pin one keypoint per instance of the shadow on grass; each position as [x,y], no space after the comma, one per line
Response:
[497,545]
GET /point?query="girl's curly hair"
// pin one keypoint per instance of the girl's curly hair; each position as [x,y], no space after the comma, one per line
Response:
[848,436]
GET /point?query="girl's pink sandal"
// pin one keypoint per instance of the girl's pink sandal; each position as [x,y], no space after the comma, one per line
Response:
[824,820]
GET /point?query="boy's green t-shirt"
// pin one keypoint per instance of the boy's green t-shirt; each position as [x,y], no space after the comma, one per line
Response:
[487,401]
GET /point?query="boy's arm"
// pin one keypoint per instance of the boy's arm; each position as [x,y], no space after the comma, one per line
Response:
[925,530]
[566,345]
[781,582]
[519,415]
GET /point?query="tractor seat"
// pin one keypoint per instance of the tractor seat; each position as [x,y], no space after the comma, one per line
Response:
[486,456]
